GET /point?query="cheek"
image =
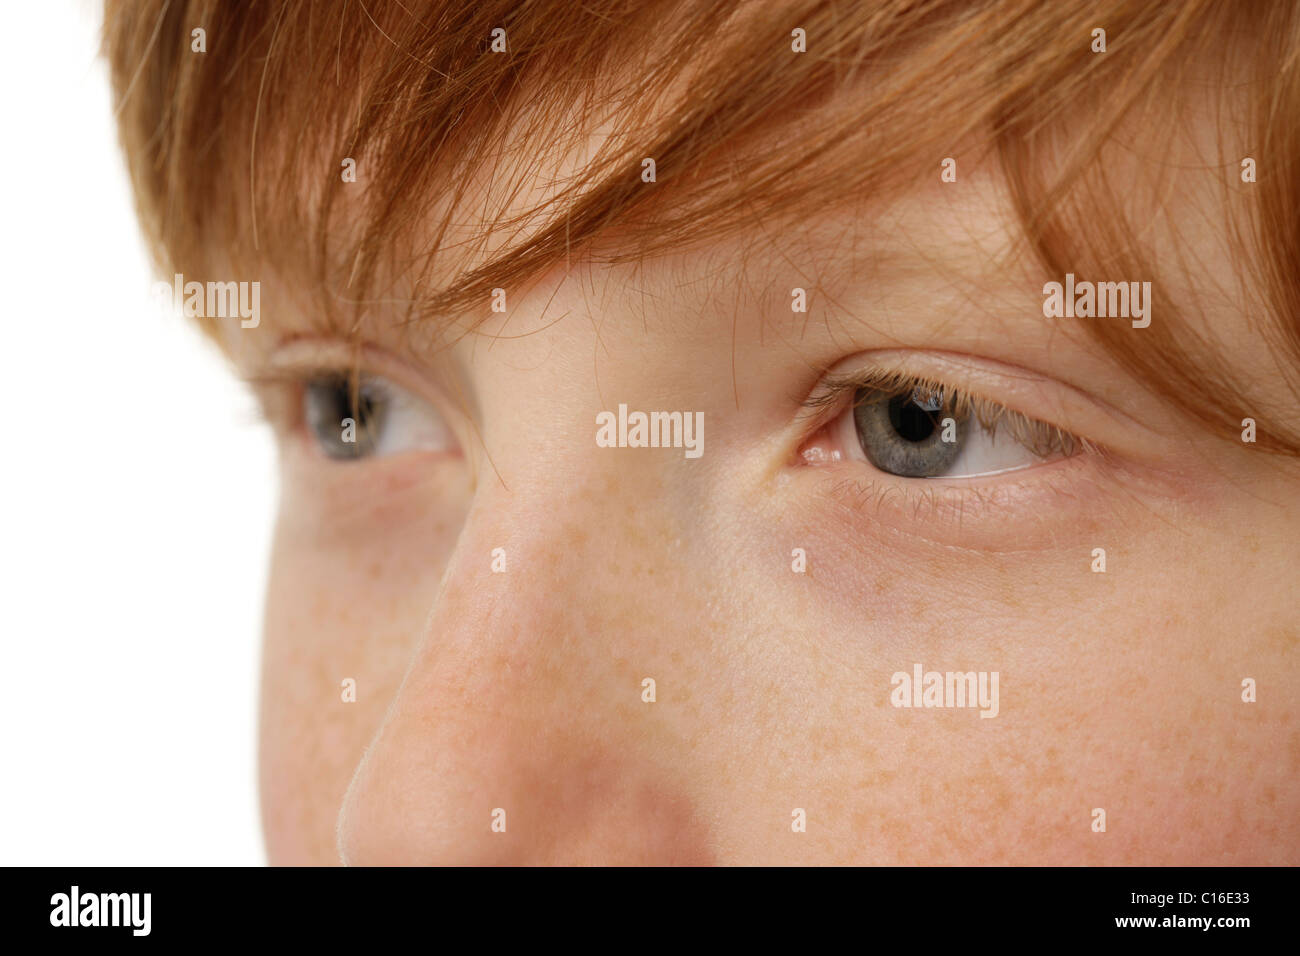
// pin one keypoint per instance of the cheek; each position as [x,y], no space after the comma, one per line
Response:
[1118,691]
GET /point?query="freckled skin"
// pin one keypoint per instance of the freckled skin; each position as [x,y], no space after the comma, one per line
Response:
[522,690]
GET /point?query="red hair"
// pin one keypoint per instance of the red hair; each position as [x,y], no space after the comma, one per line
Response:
[235,155]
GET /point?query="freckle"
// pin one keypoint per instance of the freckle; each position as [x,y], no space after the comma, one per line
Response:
[575,535]
[1010,591]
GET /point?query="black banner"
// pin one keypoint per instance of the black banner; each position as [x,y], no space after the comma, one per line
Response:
[1165,906]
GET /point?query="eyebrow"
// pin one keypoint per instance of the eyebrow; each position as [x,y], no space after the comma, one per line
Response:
[754,280]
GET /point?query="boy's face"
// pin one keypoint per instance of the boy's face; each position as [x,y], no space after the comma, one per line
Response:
[774,585]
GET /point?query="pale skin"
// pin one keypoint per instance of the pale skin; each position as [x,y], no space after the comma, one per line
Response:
[522,690]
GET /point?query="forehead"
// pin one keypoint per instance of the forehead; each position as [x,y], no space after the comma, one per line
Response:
[939,262]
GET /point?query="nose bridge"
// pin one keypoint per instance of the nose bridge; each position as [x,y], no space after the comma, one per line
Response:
[516,734]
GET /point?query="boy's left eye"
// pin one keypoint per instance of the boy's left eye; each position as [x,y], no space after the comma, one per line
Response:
[351,418]
[923,430]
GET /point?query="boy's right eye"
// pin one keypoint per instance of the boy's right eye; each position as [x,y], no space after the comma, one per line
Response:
[922,432]
[351,418]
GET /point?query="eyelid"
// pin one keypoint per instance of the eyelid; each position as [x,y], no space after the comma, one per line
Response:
[303,355]
[1102,428]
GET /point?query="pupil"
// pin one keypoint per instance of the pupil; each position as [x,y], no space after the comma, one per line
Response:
[363,412]
[910,420]
[365,405]
[328,403]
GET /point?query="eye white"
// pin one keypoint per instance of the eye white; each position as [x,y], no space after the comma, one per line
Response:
[989,453]
[409,423]
[982,453]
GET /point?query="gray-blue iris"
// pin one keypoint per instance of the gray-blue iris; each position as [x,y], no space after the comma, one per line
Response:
[328,402]
[903,433]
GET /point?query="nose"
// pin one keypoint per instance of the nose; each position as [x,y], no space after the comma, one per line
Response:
[520,734]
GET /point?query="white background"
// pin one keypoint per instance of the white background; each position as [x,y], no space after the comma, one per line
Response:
[136,498]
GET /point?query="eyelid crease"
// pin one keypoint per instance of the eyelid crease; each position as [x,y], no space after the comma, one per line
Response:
[1041,438]
[274,387]
[303,375]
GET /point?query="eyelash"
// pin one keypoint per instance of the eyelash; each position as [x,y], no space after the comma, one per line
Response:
[1039,437]
[280,391]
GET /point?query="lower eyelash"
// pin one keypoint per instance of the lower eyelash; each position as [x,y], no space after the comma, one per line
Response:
[950,502]
[919,502]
